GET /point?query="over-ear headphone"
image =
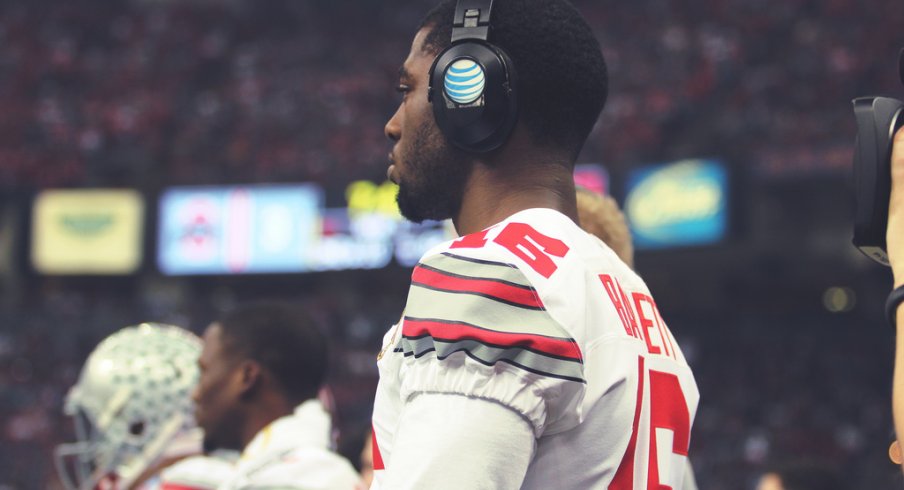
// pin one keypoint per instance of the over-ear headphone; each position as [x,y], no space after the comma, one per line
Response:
[472,83]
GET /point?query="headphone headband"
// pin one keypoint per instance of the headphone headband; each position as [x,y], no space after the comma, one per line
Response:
[472,20]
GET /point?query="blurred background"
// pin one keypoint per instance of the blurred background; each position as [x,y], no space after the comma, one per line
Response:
[164,160]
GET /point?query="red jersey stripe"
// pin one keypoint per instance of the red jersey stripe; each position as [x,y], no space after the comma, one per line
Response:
[624,476]
[376,456]
[563,348]
[509,293]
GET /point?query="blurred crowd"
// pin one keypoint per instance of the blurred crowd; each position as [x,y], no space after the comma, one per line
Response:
[786,391]
[775,390]
[123,93]
[149,94]
[153,93]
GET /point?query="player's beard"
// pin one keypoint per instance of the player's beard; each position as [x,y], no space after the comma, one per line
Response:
[434,183]
[209,445]
[214,440]
[221,429]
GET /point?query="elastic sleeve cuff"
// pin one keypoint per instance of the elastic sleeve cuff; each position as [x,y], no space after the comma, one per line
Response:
[550,405]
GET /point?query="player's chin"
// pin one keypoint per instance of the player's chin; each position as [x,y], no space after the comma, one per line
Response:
[200,421]
[209,444]
[212,438]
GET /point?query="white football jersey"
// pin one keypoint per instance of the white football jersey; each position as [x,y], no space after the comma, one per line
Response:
[541,317]
[195,473]
[293,452]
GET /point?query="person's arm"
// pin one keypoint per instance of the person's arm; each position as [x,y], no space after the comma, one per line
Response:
[895,244]
[455,441]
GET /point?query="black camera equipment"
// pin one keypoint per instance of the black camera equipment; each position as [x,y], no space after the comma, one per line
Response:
[878,118]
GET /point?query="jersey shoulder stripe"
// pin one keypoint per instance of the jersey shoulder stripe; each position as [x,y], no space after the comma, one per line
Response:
[449,331]
[489,287]
[489,311]
[489,356]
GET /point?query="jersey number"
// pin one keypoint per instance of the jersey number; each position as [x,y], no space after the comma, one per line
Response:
[668,415]
[534,248]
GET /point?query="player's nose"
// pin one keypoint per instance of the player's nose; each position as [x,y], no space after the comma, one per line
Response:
[393,128]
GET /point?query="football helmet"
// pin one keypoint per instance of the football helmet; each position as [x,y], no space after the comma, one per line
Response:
[131,402]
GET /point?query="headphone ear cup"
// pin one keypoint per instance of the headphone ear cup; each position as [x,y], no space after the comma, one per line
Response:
[473,93]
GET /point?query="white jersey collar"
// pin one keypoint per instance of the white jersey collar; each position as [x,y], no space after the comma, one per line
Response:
[309,425]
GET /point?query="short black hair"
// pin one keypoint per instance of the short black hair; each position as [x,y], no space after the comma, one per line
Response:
[562,76]
[284,340]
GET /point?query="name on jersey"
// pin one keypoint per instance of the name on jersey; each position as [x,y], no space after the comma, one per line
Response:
[640,317]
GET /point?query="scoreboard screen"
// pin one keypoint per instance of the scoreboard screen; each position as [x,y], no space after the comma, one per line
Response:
[242,229]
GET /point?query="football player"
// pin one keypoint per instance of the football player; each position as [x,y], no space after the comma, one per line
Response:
[262,367]
[133,416]
[529,355]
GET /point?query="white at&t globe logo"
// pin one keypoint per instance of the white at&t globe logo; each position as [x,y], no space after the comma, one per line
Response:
[464,81]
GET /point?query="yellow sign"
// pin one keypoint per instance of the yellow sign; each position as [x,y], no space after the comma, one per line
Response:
[681,192]
[87,231]
[364,197]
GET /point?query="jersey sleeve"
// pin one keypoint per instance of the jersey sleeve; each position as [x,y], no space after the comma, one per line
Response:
[475,326]
[455,422]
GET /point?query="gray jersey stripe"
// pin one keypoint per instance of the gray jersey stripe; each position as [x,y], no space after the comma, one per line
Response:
[477,261]
[477,268]
[489,355]
[497,346]
[480,311]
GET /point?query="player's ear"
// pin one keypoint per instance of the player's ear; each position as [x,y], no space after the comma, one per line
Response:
[249,375]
